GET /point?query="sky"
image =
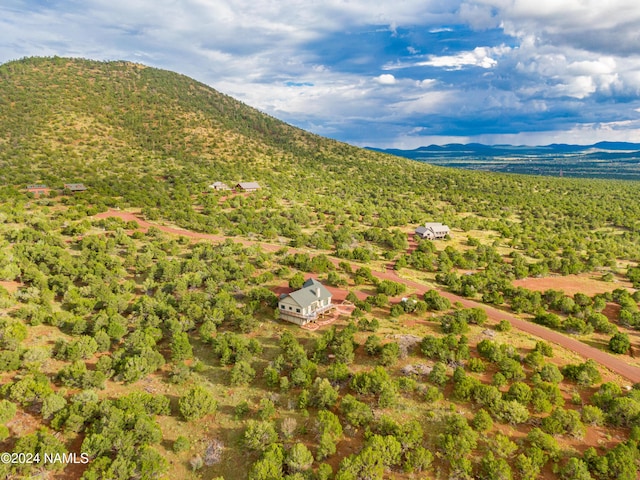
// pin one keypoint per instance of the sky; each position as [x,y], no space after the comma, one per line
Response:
[380,73]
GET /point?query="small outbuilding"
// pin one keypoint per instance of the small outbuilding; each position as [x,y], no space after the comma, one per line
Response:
[433,231]
[219,186]
[305,305]
[38,190]
[248,186]
[75,187]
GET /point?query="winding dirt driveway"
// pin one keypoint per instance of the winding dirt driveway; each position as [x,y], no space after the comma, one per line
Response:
[615,364]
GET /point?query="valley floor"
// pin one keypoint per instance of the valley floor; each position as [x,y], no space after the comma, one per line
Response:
[615,364]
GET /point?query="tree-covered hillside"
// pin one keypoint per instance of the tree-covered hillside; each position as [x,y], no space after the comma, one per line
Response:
[139,325]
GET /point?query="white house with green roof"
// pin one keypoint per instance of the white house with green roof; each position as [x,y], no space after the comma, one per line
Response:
[305,305]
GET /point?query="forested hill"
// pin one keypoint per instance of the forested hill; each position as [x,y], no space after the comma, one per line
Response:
[152,139]
[72,117]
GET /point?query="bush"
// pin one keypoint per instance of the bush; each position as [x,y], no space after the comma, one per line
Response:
[620,343]
[520,392]
[438,375]
[482,421]
[563,421]
[551,373]
[197,403]
[299,458]
[417,460]
[181,444]
[390,288]
[512,412]
[7,411]
[356,412]
[389,354]
[585,374]
[435,301]
[504,326]
[476,365]
[592,415]
[260,435]
[242,373]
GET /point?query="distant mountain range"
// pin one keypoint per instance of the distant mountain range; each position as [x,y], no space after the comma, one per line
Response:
[601,160]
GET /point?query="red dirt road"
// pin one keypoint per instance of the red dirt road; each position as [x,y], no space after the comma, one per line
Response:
[615,364]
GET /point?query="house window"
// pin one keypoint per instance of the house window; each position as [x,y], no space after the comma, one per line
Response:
[283,307]
[297,310]
[290,308]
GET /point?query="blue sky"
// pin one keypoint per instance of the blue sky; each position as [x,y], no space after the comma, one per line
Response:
[400,73]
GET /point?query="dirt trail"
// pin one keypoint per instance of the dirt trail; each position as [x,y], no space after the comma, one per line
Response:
[615,364]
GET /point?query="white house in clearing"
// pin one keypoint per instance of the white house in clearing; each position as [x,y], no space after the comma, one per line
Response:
[433,230]
[219,186]
[305,305]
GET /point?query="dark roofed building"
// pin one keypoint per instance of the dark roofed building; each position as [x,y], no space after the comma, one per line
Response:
[248,186]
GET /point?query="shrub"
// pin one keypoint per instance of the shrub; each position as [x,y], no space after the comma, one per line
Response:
[504,326]
[260,435]
[482,421]
[197,403]
[181,444]
[299,458]
[592,415]
[620,343]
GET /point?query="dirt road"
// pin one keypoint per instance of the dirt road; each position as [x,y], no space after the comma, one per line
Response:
[615,364]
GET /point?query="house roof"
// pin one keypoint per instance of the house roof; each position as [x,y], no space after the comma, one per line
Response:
[311,291]
[436,226]
[75,186]
[34,187]
[420,230]
[248,185]
[218,185]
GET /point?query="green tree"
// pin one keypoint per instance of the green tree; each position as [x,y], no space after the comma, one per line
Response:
[296,281]
[619,343]
[298,458]
[438,374]
[575,469]
[259,435]
[242,373]
[417,460]
[330,431]
[323,394]
[355,412]
[493,468]
[197,403]
[482,421]
[180,347]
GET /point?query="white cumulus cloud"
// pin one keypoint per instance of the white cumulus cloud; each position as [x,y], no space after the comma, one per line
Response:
[386,79]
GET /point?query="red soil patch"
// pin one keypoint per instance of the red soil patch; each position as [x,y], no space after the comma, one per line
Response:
[612,311]
[587,283]
[144,226]
[10,286]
